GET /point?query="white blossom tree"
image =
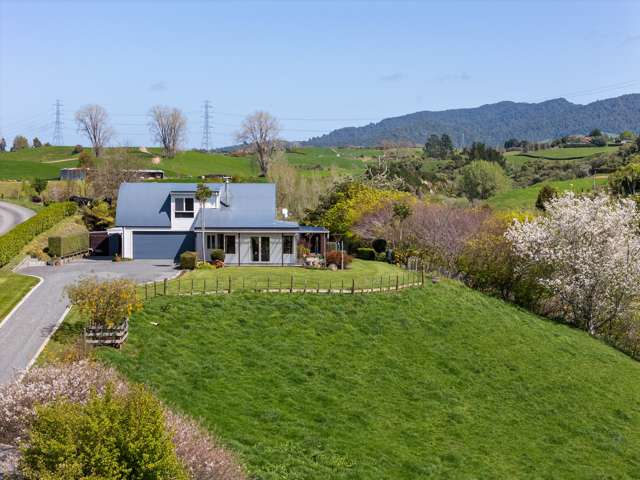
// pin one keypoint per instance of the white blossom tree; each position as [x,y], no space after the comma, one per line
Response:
[590,250]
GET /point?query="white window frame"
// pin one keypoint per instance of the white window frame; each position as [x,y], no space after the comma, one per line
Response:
[184,212]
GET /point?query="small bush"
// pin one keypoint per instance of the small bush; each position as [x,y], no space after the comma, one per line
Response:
[77,149]
[12,242]
[217,255]
[381,257]
[68,245]
[111,436]
[188,260]
[366,253]
[379,245]
[335,258]
[105,303]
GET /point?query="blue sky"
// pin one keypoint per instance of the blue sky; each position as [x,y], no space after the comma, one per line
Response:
[314,65]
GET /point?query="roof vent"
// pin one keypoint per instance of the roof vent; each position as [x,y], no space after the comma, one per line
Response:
[225,202]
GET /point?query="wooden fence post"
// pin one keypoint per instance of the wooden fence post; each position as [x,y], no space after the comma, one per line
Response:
[155,290]
[191,285]
[217,283]
[179,286]
[422,281]
[305,286]
[318,291]
[342,286]
[165,287]
[146,294]
[268,283]
[229,283]
[204,286]
[291,289]
[397,282]
[329,285]
[353,286]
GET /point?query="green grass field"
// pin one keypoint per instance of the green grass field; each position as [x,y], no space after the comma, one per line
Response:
[44,162]
[557,154]
[525,198]
[440,382]
[12,288]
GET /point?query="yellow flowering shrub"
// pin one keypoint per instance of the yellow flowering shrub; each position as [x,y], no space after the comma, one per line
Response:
[107,302]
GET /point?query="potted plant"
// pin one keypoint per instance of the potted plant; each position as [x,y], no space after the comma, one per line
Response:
[106,306]
[217,258]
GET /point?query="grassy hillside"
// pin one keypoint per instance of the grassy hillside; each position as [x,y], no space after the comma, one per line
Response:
[525,198]
[558,154]
[440,382]
[44,162]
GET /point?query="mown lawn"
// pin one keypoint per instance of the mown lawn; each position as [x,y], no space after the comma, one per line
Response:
[440,382]
[12,288]
[360,274]
[525,198]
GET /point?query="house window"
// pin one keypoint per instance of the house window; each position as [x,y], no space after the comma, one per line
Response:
[184,207]
[220,241]
[260,249]
[230,244]
[287,245]
[211,242]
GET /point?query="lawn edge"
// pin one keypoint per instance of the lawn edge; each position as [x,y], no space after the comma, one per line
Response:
[23,299]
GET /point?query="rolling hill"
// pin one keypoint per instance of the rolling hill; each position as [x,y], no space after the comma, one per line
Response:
[441,382]
[495,123]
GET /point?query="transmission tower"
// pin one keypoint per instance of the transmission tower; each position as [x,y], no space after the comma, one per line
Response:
[57,129]
[206,129]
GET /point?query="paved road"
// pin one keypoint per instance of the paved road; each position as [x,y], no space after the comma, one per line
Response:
[24,333]
[11,215]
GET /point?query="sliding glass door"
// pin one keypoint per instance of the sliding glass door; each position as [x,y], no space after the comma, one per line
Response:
[260,249]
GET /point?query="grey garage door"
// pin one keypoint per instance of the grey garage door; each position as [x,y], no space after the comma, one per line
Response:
[162,245]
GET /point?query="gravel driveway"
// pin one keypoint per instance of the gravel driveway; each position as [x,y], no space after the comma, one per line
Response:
[11,215]
[25,333]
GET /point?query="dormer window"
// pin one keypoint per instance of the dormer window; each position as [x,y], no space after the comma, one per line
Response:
[184,207]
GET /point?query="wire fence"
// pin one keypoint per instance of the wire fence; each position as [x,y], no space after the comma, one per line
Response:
[226,284]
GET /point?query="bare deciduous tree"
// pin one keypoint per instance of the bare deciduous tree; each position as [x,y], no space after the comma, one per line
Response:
[117,167]
[93,123]
[261,130]
[168,127]
[295,192]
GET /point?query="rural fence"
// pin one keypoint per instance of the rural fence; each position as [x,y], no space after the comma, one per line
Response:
[225,284]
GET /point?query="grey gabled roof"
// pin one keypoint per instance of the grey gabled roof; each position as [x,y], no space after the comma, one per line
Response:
[250,205]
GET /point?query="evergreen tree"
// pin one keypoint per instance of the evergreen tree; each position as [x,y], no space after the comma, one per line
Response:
[36,143]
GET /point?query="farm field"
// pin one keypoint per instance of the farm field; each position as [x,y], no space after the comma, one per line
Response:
[434,382]
[525,198]
[559,154]
[43,162]
[12,288]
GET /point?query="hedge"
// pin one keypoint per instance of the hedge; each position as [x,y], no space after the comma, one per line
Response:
[188,260]
[69,245]
[12,242]
[366,253]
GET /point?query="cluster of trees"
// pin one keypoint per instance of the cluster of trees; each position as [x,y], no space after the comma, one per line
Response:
[440,147]
[20,142]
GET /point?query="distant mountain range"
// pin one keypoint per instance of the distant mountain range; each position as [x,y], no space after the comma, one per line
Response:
[495,123]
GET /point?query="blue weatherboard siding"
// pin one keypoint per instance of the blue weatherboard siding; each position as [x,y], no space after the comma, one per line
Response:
[162,245]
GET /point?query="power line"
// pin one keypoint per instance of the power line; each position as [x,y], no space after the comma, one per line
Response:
[206,128]
[57,130]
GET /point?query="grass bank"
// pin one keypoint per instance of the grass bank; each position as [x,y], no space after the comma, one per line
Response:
[439,382]
[12,288]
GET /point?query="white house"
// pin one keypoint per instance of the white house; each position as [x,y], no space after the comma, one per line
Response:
[162,220]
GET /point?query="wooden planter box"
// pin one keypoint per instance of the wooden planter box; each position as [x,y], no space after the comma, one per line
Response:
[99,335]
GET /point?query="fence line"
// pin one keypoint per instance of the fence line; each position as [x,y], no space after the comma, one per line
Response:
[191,287]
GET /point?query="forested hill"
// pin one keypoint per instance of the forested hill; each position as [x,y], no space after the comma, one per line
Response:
[495,123]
